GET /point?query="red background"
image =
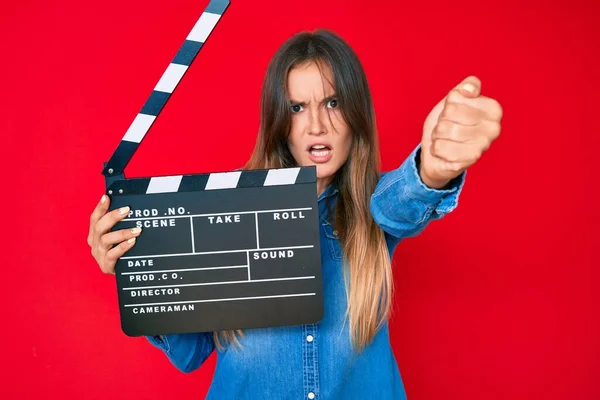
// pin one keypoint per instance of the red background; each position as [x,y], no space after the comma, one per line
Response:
[498,300]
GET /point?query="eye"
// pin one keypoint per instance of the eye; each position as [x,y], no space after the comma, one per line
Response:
[296,108]
[333,103]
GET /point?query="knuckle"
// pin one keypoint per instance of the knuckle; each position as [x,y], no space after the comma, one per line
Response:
[104,240]
[443,127]
[454,96]
[96,213]
[449,129]
[114,216]
[449,110]
[436,147]
[455,167]
[476,153]
[491,130]
[97,229]
[97,251]
[437,132]
[497,128]
[497,111]
[486,143]
[124,246]
[109,260]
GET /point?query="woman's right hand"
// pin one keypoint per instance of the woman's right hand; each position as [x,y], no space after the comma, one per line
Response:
[101,240]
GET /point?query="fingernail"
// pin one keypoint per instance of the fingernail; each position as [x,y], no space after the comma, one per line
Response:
[131,240]
[136,230]
[103,199]
[469,87]
[123,210]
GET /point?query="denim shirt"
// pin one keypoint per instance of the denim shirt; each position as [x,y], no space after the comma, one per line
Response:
[317,361]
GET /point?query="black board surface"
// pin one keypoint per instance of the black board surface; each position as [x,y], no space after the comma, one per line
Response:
[220,258]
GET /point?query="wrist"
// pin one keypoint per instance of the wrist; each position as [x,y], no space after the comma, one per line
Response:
[425,179]
[433,183]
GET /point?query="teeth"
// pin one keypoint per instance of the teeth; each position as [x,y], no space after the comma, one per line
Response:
[318,146]
[320,153]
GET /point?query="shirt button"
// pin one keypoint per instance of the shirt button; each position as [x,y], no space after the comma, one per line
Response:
[311,395]
[335,233]
[309,338]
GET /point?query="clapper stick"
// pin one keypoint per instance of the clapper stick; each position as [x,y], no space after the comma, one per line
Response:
[223,250]
[164,89]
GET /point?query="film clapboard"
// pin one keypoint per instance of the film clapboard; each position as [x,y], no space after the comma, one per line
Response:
[222,250]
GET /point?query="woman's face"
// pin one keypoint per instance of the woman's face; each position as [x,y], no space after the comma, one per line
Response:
[319,135]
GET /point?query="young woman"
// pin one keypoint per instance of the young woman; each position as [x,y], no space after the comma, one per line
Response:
[316,109]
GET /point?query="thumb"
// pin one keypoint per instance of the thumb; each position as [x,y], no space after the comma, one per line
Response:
[470,87]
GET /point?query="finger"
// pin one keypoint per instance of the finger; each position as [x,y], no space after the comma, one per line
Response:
[469,87]
[98,212]
[453,152]
[456,132]
[490,107]
[111,238]
[115,253]
[109,220]
[462,114]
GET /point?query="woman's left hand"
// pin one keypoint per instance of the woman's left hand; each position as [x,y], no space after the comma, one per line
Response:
[457,131]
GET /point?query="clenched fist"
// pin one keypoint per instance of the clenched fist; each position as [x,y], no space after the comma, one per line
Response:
[457,131]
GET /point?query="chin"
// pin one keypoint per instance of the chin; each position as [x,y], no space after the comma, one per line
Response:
[325,171]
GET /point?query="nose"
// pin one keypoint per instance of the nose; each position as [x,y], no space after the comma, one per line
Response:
[316,125]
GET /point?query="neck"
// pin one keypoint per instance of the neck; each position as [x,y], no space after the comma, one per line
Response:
[322,184]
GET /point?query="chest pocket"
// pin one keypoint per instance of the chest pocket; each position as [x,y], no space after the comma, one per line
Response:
[333,241]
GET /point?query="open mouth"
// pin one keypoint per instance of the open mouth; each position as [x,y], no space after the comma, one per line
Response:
[320,153]
[320,150]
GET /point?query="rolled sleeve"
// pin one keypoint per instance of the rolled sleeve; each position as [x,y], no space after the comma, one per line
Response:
[162,344]
[443,200]
[402,205]
[186,351]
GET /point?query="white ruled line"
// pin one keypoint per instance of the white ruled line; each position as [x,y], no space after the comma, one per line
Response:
[192,229]
[215,214]
[295,278]
[256,223]
[227,299]
[182,270]
[248,262]
[215,252]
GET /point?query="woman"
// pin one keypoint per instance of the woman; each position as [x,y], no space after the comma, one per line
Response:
[316,109]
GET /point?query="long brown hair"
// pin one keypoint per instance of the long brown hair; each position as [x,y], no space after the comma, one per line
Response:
[367,265]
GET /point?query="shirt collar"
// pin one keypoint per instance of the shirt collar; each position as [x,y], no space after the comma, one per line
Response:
[329,191]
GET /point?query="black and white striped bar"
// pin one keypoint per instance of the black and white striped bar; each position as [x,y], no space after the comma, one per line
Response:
[213,181]
[165,87]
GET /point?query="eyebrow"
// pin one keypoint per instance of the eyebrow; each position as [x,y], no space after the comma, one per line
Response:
[325,100]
